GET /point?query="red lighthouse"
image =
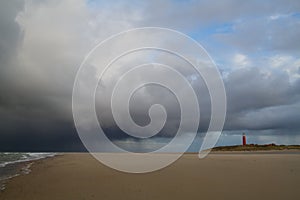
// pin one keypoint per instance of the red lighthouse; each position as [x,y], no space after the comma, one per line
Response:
[244,139]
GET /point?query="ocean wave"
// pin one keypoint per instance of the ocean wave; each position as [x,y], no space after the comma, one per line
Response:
[10,158]
[9,164]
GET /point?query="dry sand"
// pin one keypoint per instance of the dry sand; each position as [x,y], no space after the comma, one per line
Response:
[218,176]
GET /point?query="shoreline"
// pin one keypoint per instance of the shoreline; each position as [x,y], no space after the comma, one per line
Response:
[13,169]
[21,168]
[80,176]
[285,151]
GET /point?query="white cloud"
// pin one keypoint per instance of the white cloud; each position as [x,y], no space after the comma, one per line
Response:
[286,63]
[241,60]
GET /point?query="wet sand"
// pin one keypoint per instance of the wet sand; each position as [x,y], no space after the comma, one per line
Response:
[218,176]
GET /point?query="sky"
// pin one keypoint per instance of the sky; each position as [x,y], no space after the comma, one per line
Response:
[255,45]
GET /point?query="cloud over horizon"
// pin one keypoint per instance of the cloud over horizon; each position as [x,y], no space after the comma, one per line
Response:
[42,43]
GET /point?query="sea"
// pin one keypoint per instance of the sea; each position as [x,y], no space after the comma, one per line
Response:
[15,164]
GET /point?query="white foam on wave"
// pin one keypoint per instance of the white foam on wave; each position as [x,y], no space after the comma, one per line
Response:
[28,157]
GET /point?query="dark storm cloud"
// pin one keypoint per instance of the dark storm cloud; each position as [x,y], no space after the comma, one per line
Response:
[10,36]
[259,101]
[43,43]
[251,89]
[34,102]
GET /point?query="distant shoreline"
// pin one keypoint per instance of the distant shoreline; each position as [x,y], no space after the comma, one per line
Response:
[257,147]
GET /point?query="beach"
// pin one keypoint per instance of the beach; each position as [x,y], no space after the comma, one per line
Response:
[218,176]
